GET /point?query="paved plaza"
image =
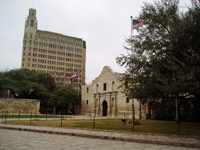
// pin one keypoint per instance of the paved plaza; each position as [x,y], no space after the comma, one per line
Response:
[18,140]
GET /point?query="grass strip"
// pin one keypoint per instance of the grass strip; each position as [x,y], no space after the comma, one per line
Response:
[146,126]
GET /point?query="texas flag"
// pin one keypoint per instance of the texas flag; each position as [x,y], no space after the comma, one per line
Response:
[75,76]
[136,23]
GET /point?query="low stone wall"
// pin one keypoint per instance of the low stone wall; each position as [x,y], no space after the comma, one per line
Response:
[25,106]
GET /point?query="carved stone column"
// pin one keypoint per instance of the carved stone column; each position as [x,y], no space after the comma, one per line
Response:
[94,104]
[109,95]
[98,104]
[115,95]
[114,108]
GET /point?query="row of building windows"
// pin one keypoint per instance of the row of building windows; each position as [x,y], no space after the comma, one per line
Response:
[53,62]
[61,58]
[61,63]
[77,61]
[61,68]
[51,57]
[50,45]
[39,55]
[58,40]
[51,52]
[54,52]
[61,53]
[77,66]
[52,67]
[78,56]
[43,56]
[41,61]
[38,66]
[69,55]
[53,39]
[69,65]
[38,43]
[77,70]
[42,51]
[69,59]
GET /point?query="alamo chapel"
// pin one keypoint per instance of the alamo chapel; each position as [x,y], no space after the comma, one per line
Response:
[104,98]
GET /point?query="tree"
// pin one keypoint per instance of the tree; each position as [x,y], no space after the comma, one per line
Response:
[166,50]
[24,83]
[65,96]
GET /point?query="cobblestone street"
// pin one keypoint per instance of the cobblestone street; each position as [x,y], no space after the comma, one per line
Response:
[12,140]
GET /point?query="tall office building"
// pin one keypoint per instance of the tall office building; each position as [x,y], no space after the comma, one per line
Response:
[48,52]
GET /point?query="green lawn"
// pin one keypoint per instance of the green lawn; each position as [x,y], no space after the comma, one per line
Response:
[146,126]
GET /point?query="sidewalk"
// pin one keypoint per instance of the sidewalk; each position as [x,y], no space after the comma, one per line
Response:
[174,140]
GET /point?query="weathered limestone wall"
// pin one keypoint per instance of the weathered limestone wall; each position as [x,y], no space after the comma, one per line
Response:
[25,106]
[104,97]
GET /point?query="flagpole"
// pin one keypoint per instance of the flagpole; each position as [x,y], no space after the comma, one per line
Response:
[131,36]
[78,83]
[132,73]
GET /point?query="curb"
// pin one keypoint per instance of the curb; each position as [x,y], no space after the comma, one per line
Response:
[107,137]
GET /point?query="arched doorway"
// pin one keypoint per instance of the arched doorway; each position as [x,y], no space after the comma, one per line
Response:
[105,107]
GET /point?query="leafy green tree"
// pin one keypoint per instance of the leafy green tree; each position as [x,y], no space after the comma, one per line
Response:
[164,111]
[165,61]
[65,96]
[24,83]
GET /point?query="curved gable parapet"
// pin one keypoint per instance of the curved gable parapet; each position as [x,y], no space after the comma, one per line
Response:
[107,73]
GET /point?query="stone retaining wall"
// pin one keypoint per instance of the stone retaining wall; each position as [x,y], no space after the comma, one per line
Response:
[25,106]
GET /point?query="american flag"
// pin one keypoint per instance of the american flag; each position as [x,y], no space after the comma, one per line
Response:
[136,23]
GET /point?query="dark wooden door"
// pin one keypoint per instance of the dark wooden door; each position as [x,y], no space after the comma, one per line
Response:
[105,107]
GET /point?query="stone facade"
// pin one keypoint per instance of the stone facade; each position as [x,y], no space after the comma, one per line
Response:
[25,106]
[104,98]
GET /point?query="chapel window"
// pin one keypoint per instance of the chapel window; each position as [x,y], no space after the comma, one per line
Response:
[104,86]
[127,99]
[113,85]
[97,88]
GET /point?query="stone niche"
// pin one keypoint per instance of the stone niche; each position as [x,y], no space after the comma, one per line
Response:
[25,106]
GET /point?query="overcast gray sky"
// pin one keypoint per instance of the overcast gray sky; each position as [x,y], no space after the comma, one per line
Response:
[103,24]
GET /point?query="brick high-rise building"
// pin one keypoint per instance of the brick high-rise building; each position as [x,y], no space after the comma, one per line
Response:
[57,54]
